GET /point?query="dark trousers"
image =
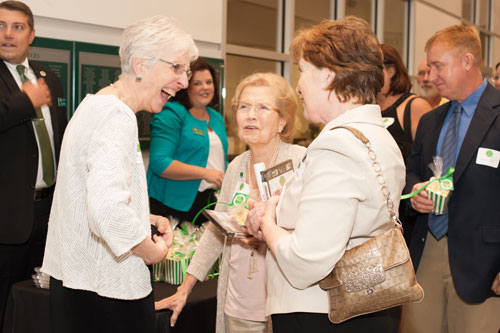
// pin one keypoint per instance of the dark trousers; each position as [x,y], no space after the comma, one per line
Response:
[75,311]
[299,322]
[17,262]
[202,199]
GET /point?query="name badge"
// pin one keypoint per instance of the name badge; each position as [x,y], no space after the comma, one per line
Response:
[488,157]
[241,194]
[61,101]
[388,121]
[139,154]
[300,167]
[198,131]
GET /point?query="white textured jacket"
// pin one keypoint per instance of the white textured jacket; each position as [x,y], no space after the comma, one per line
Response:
[100,209]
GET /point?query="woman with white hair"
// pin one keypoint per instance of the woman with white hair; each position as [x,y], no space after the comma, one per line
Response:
[99,239]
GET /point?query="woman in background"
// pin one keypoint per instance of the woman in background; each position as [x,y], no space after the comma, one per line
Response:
[99,238]
[188,154]
[401,109]
[334,202]
[265,107]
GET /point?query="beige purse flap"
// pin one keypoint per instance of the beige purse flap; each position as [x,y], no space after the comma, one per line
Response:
[364,266]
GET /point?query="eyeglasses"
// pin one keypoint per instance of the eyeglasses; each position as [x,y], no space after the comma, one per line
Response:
[178,69]
[259,108]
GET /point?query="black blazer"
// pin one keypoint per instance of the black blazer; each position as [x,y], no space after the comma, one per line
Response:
[19,151]
[474,207]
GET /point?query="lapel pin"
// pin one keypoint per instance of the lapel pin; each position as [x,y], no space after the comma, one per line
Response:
[42,73]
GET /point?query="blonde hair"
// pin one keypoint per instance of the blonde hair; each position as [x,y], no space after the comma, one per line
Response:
[461,38]
[286,99]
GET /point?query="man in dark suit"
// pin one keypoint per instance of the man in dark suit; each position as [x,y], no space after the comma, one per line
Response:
[457,255]
[29,147]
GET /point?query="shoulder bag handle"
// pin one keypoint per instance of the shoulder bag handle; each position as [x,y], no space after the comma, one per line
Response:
[378,170]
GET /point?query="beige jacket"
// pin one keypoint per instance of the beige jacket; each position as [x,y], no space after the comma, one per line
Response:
[212,242]
[333,204]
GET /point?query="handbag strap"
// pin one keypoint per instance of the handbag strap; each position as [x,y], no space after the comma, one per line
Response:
[378,170]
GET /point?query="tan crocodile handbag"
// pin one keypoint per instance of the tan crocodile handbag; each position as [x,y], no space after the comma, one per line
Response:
[377,274]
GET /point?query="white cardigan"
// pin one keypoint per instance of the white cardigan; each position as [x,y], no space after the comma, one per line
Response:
[333,203]
[100,209]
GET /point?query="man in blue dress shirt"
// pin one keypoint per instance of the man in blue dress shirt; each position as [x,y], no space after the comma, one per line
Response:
[457,255]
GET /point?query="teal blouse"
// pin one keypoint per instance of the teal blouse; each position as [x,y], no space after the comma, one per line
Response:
[177,135]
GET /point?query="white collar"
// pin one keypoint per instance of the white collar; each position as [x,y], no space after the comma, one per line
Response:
[25,63]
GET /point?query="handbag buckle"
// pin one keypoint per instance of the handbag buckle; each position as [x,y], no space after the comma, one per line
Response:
[363,278]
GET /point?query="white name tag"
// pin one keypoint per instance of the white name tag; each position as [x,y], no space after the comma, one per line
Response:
[488,157]
[388,121]
[139,154]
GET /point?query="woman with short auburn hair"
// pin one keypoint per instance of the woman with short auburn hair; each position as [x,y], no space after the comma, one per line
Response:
[334,202]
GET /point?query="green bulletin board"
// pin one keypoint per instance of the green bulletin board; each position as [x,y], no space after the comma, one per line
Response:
[97,66]
[85,68]
[57,55]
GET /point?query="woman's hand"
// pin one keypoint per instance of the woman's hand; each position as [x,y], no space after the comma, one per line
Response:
[214,176]
[254,218]
[419,202]
[261,214]
[151,250]
[164,228]
[177,301]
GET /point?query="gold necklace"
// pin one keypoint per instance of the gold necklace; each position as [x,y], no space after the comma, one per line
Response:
[252,261]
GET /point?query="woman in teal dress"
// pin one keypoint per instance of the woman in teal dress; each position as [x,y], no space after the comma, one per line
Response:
[188,153]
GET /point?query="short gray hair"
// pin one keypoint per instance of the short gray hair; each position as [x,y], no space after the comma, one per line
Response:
[152,38]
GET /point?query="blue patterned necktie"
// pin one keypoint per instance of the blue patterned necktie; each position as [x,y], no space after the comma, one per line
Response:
[438,224]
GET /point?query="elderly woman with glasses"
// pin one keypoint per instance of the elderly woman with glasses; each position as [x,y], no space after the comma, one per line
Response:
[99,238]
[188,153]
[265,107]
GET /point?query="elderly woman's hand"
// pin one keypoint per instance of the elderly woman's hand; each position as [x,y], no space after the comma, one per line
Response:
[260,215]
[254,218]
[420,202]
[177,301]
[164,228]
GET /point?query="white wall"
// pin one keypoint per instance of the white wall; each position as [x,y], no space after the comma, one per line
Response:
[101,21]
[427,21]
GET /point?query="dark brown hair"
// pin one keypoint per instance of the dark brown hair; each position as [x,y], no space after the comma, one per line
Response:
[400,81]
[348,48]
[200,65]
[20,7]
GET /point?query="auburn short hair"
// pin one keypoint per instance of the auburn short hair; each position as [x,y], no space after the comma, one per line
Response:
[348,48]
